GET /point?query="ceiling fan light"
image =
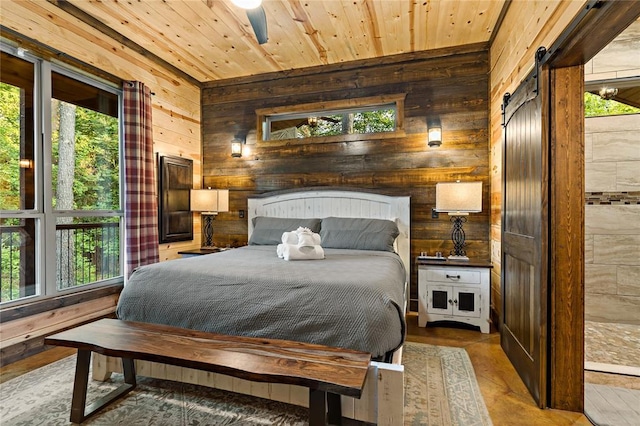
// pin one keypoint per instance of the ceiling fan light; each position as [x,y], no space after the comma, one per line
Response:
[247,4]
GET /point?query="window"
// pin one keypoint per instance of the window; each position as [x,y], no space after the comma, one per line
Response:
[596,106]
[336,118]
[61,219]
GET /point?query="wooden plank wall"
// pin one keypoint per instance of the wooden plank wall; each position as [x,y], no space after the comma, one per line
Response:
[176,121]
[449,84]
[526,26]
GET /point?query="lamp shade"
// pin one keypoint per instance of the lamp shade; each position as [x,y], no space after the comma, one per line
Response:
[236,148]
[435,136]
[204,200]
[210,200]
[459,197]
[223,200]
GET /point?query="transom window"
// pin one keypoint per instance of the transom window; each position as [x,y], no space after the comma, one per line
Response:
[336,118]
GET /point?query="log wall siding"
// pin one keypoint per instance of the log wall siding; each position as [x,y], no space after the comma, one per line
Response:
[176,123]
[451,85]
[524,29]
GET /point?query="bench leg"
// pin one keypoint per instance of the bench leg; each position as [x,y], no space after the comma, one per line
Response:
[334,408]
[319,402]
[79,400]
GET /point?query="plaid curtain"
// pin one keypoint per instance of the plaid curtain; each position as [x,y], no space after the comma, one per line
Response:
[141,204]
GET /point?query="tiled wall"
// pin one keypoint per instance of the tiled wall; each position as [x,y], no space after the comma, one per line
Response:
[612,222]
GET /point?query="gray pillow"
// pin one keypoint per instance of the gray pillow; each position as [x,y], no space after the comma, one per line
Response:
[360,234]
[269,230]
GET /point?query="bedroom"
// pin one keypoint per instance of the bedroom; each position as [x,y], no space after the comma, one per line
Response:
[469,108]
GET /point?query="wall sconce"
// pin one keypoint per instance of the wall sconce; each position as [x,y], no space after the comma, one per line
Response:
[25,163]
[209,202]
[435,135]
[236,148]
[607,93]
[458,199]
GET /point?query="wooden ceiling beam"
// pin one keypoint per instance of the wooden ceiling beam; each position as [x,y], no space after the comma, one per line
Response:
[600,20]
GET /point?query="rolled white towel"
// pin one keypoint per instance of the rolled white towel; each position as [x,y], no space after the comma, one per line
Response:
[280,251]
[307,238]
[290,238]
[293,252]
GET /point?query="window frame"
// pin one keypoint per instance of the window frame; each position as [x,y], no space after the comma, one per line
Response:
[354,105]
[44,213]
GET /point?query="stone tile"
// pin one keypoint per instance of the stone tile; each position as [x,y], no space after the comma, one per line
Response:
[612,220]
[612,343]
[628,279]
[628,73]
[629,122]
[588,147]
[602,76]
[588,249]
[616,249]
[600,279]
[611,308]
[628,175]
[601,176]
[616,57]
[616,146]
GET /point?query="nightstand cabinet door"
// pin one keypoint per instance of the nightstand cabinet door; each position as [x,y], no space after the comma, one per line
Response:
[466,301]
[439,299]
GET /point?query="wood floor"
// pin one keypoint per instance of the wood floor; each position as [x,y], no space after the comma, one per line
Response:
[507,399]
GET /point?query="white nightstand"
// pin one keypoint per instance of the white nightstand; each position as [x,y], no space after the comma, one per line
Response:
[454,291]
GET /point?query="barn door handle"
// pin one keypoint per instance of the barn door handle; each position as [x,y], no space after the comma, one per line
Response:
[456,302]
[450,302]
[453,277]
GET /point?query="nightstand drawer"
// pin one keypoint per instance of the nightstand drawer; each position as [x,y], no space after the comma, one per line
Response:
[453,276]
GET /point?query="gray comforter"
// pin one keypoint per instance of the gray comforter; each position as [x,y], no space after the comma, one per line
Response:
[350,299]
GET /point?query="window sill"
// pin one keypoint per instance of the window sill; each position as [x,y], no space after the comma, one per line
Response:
[40,306]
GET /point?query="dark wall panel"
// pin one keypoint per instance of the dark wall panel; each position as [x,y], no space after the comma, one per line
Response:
[451,86]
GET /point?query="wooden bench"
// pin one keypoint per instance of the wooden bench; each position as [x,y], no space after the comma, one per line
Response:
[327,372]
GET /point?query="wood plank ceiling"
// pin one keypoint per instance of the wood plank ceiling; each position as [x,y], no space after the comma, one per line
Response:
[213,39]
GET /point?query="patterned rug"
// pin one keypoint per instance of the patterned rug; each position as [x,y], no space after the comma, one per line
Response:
[441,388]
[42,397]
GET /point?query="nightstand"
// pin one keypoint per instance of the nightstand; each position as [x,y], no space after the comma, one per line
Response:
[200,251]
[454,291]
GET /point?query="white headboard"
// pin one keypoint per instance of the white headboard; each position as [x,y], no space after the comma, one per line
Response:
[318,203]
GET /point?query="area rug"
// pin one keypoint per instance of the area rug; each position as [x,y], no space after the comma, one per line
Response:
[440,389]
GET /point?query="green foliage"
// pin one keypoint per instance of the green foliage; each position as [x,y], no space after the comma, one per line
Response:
[96,178]
[9,147]
[377,121]
[374,121]
[96,186]
[595,106]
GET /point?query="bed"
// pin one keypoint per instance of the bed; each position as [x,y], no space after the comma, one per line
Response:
[354,298]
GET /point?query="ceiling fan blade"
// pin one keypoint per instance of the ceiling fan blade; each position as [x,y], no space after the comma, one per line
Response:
[258,20]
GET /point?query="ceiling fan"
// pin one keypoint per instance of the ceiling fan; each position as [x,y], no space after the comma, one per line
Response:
[257,17]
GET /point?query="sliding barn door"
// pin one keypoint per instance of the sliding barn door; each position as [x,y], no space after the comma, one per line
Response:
[524,233]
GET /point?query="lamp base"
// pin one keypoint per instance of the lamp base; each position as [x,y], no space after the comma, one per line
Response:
[460,258]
